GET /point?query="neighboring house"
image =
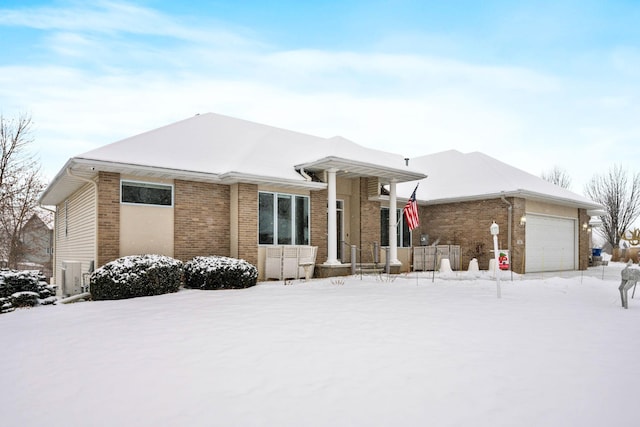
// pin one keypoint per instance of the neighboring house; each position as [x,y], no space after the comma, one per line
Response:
[216,185]
[37,237]
[37,246]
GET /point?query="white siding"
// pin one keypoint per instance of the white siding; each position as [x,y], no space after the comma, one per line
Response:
[75,230]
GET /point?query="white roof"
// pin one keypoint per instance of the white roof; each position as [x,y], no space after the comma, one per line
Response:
[456,176]
[217,148]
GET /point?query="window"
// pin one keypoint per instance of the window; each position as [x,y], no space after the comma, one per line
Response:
[402,232]
[283,219]
[146,193]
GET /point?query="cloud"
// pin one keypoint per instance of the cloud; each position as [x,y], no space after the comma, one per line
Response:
[96,85]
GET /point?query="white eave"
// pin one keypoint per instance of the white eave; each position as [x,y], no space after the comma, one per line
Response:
[355,169]
[65,184]
[592,208]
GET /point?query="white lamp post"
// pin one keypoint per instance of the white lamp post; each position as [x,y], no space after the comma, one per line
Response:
[495,230]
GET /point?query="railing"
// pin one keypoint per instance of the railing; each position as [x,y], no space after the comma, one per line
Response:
[376,257]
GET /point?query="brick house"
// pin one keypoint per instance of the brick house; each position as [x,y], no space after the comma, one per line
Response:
[216,185]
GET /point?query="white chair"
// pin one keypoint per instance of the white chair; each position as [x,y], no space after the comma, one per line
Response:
[290,263]
[273,263]
[306,261]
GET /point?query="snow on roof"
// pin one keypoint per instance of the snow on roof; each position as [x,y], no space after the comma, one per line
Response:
[216,147]
[217,144]
[456,176]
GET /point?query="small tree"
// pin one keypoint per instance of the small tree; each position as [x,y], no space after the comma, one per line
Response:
[620,199]
[557,176]
[20,186]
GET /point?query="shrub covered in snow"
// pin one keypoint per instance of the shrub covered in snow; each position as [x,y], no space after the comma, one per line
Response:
[6,305]
[12,281]
[136,276]
[219,272]
[24,288]
[24,299]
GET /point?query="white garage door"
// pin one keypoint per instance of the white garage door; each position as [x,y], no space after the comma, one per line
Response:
[550,244]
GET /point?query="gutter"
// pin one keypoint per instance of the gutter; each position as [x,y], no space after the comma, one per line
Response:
[518,193]
[95,224]
[509,221]
[236,177]
[75,298]
[304,174]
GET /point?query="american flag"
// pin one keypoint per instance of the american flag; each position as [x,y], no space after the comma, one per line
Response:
[411,211]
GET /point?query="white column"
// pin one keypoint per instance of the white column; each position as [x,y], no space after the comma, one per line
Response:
[332,244]
[393,224]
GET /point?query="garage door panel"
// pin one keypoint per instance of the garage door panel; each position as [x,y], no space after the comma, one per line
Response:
[550,243]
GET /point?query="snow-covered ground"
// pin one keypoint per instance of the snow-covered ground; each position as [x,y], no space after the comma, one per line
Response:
[555,350]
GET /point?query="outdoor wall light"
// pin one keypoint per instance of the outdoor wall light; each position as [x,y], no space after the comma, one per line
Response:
[585,226]
[523,221]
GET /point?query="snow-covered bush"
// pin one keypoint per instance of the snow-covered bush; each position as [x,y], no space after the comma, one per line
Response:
[24,288]
[219,272]
[136,276]
[24,299]
[6,305]
[12,281]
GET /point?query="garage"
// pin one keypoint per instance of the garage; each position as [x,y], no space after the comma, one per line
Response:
[550,244]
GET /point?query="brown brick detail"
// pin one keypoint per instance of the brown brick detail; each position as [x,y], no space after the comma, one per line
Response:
[518,240]
[369,219]
[467,224]
[248,223]
[201,219]
[319,223]
[583,240]
[372,187]
[108,217]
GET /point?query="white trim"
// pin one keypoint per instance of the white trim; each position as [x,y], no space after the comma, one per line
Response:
[294,229]
[355,168]
[332,256]
[401,223]
[393,224]
[122,180]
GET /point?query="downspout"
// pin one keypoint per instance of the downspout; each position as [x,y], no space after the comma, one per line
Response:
[304,174]
[509,220]
[95,225]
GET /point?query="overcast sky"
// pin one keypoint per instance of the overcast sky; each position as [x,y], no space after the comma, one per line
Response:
[534,84]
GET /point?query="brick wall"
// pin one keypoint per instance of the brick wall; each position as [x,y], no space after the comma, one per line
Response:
[369,218]
[108,217]
[201,219]
[248,223]
[319,223]
[467,224]
[583,240]
[518,240]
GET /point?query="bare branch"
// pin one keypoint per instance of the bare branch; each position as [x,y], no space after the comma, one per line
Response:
[20,186]
[620,198]
[557,176]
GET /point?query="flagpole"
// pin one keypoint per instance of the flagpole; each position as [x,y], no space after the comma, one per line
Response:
[412,218]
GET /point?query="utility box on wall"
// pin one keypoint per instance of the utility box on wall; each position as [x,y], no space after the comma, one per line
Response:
[71,278]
